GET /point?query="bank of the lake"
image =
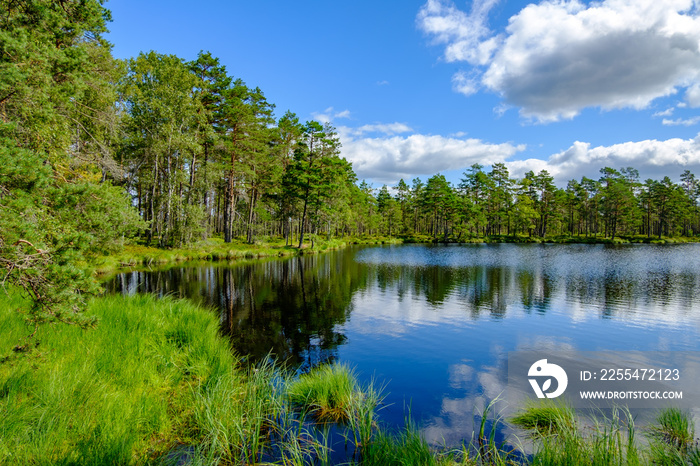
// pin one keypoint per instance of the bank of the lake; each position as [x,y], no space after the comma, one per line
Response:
[215,249]
[152,375]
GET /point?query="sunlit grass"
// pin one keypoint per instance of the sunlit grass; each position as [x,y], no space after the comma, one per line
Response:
[561,437]
[153,375]
[546,417]
[331,393]
[672,438]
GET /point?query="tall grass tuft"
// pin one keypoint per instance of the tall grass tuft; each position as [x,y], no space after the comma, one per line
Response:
[672,438]
[674,427]
[406,447]
[328,393]
[560,438]
[484,449]
[546,417]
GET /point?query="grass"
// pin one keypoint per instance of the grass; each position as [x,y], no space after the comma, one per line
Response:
[152,377]
[560,438]
[546,417]
[674,427]
[672,439]
[406,447]
[331,393]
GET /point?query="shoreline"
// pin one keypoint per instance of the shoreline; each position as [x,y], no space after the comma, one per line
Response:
[215,250]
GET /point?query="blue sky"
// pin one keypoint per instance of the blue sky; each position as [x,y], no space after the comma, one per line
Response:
[420,87]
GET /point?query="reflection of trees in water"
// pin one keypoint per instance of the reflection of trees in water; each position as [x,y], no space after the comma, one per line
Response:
[291,308]
[481,289]
[294,307]
[491,290]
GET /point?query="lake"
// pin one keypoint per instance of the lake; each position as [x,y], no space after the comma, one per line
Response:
[434,324]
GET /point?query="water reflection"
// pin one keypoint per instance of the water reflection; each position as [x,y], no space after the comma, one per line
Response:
[436,322]
[291,308]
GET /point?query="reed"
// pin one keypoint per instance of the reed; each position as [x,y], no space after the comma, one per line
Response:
[672,438]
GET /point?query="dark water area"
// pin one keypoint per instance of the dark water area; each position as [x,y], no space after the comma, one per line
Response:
[434,323]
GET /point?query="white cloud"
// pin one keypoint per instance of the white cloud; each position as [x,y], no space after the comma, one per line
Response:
[383,128]
[692,95]
[681,122]
[329,114]
[465,83]
[343,114]
[462,33]
[384,154]
[388,158]
[664,113]
[651,157]
[557,57]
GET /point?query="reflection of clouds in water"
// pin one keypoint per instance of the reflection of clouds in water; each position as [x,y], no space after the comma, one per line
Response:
[474,388]
[460,416]
[378,312]
[460,375]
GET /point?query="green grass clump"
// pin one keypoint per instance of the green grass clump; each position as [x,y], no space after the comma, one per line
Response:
[546,418]
[560,439]
[674,427]
[406,447]
[672,438]
[330,393]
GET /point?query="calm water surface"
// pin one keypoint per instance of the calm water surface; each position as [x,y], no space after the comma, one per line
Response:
[434,323]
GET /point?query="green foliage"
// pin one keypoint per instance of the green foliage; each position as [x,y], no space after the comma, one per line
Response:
[673,438]
[406,447]
[48,229]
[48,61]
[56,108]
[546,418]
[163,118]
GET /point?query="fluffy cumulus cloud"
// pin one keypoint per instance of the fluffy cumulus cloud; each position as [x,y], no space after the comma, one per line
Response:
[653,158]
[389,155]
[556,57]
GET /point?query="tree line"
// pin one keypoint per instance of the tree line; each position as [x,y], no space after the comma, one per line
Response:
[203,154]
[492,203]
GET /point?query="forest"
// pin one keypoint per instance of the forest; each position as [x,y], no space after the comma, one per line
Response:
[98,151]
